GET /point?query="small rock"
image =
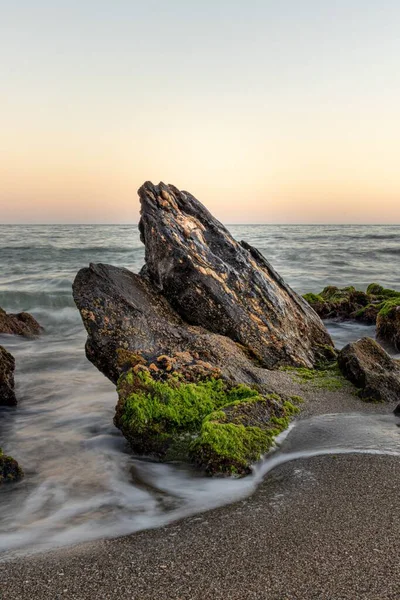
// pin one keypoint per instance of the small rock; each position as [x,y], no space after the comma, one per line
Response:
[388,323]
[10,470]
[7,367]
[366,364]
[19,324]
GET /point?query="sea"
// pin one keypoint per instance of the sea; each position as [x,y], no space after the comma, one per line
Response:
[81,482]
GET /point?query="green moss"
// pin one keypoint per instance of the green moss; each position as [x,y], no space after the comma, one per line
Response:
[223,447]
[297,399]
[313,298]
[231,447]
[176,406]
[216,425]
[329,378]
[388,306]
[374,289]
[154,415]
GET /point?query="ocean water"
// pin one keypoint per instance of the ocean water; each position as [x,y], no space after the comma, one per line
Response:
[81,481]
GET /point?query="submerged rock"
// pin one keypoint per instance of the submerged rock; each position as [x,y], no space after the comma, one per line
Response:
[366,364]
[7,367]
[10,470]
[188,340]
[19,324]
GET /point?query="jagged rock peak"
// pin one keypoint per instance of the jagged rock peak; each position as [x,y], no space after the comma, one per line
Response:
[228,287]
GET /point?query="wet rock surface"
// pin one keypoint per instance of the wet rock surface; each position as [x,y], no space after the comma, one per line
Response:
[19,324]
[366,364]
[7,367]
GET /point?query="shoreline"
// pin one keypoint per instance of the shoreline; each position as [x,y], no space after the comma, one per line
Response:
[322,527]
[291,538]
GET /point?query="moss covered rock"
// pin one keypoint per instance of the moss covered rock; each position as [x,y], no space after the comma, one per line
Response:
[9,469]
[195,415]
[236,436]
[334,302]
[368,307]
[388,322]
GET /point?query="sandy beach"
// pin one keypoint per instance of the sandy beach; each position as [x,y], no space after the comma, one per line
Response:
[325,528]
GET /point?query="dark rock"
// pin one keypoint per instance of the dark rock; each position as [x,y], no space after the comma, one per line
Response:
[377,305]
[7,367]
[388,323]
[366,364]
[19,324]
[340,303]
[10,470]
[129,322]
[397,410]
[230,288]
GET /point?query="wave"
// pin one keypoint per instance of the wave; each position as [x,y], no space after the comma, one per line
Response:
[391,251]
[25,301]
[72,249]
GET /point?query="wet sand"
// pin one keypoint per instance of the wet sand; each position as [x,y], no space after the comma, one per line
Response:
[323,528]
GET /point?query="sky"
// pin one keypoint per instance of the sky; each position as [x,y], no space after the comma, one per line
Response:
[266,111]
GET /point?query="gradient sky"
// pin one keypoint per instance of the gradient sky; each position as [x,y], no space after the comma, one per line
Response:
[267,111]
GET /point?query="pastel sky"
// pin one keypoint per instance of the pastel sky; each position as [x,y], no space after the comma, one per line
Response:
[267,111]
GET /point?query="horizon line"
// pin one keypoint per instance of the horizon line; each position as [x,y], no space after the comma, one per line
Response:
[225,224]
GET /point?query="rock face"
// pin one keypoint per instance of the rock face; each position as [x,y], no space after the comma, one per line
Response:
[10,470]
[7,367]
[366,364]
[213,281]
[20,324]
[128,320]
[190,338]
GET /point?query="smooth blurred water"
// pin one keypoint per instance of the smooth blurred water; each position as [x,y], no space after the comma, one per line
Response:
[81,482]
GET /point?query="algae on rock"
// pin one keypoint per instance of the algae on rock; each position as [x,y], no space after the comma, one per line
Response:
[222,428]
[377,305]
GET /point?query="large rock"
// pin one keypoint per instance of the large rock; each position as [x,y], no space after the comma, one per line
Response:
[188,339]
[366,364]
[230,288]
[128,321]
[19,324]
[7,367]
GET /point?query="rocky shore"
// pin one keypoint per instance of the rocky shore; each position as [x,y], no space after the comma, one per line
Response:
[212,355]
[192,339]
[192,342]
